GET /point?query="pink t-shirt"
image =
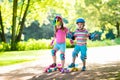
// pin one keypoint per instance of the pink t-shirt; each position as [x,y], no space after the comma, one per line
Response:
[61,35]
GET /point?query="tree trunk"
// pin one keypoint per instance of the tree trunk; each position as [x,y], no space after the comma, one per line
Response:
[20,16]
[13,42]
[2,34]
[118,29]
[22,23]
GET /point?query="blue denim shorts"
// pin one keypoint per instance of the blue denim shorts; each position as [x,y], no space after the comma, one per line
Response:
[80,48]
[60,46]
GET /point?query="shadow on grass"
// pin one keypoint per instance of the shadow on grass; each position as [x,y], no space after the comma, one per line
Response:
[94,72]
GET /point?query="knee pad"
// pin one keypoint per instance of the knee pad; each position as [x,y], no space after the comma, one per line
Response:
[74,54]
[83,58]
[53,52]
[62,56]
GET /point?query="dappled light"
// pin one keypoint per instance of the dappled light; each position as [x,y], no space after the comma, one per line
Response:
[98,73]
[108,68]
[30,28]
[109,71]
[34,19]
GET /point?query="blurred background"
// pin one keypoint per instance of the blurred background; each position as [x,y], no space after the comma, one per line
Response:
[27,24]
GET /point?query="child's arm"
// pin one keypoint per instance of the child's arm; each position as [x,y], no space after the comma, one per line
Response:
[52,42]
[70,35]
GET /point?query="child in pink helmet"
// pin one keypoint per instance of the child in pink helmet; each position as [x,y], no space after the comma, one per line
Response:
[60,37]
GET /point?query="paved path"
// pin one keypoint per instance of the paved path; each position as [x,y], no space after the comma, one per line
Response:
[97,58]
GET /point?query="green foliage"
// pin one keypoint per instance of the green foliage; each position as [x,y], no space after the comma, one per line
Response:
[4,46]
[97,13]
[117,40]
[68,44]
[33,44]
[36,32]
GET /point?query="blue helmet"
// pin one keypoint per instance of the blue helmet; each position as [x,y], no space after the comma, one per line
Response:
[80,20]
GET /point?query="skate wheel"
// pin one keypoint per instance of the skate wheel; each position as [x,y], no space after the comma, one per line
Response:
[55,69]
[62,70]
[67,71]
[46,69]
[49,70]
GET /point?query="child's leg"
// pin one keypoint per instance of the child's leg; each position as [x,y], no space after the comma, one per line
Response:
[62,57]
[54,50]
[73,59]
[83,56]
[54,55]
[84,63]
[74,55]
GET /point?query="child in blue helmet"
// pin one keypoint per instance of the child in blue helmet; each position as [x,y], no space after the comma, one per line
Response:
[81,35]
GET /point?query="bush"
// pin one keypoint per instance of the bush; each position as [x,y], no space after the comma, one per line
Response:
[117,40]
[4,46]
[33,44]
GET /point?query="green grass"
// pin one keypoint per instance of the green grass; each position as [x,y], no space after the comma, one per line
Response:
[14,57]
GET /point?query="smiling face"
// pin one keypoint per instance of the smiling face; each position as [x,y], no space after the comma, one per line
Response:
[58,23]
[58,26]
[80,26]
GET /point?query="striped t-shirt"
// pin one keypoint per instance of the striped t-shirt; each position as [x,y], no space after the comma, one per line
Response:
[81,36]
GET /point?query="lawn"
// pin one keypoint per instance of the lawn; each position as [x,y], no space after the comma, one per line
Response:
[14,57]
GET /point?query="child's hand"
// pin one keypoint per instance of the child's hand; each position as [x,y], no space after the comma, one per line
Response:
[96,36]
[51,44]
[72,42]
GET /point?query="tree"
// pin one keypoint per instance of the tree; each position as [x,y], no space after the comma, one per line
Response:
[113,14]
[109,14]
[22,22]
[13,43]
[2,35]
[16,38]
[100,13]
[25,12]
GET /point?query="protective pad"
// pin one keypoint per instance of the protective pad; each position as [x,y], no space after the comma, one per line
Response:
[83,58]
[62,56]
[93,36]
[70,35]
[53,52]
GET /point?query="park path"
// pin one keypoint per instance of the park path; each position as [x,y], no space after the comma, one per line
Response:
[99,58]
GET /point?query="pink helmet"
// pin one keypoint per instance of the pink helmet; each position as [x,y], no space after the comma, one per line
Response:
[57,21]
